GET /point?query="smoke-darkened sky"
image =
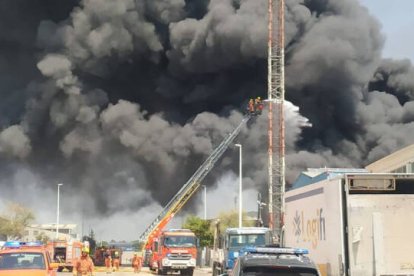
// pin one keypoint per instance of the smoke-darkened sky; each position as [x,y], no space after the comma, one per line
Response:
[122,100]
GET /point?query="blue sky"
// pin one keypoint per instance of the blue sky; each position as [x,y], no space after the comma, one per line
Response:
[397,19]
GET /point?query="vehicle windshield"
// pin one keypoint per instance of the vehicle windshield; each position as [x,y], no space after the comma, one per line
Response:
[25,260]
[179,241]
[242,240]
[282,271]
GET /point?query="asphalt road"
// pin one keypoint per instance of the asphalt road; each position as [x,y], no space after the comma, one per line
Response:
[144,271]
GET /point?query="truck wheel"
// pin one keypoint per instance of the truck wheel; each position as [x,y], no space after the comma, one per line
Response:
[60,269]
[214,269]
[160,271]
[70,268]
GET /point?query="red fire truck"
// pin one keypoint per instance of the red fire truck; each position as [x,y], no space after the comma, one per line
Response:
[64,252]
[174,250]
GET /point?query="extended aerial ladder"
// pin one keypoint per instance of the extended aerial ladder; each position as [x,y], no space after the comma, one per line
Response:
[189,188]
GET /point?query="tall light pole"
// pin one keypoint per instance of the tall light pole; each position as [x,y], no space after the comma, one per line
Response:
[205,202]
[240,185]
[57,211]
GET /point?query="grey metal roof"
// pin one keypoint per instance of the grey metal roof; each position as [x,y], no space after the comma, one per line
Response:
[247,230]
[314,175]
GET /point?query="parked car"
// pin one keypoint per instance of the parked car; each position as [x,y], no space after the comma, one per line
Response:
[266,261]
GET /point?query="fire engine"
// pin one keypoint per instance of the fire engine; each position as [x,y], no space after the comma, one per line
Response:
[64,252]
[153,233]
[174,250]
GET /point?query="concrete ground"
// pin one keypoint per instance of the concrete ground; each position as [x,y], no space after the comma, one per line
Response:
[145,271]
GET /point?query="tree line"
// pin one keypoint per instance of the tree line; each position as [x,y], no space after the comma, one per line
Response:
[15,219]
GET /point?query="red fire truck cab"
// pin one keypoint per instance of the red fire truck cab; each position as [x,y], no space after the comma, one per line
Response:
[174,250]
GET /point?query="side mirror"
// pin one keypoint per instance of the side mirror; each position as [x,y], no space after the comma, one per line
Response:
[198,242]
[53,266]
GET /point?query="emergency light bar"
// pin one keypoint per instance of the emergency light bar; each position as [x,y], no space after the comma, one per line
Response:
[267,250]
[17,244]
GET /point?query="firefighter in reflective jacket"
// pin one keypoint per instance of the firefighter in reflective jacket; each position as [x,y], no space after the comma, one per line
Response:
[108,260]
[136,263]
[84,265]
[115,262]
[258,105]
[250,107]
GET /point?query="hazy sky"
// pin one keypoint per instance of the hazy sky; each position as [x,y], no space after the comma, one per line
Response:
[397,22]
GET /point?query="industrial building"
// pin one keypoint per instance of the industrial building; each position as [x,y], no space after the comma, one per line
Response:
[66,231]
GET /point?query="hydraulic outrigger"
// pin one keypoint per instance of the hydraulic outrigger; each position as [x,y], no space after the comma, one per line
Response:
[189,188]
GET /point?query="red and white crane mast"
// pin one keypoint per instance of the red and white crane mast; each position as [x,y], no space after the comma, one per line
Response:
[276,127]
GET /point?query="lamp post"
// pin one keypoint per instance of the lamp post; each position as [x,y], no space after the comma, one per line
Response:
[57,211]
[205,202]
[240,185]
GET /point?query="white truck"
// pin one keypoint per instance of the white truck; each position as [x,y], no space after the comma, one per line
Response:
[354,224]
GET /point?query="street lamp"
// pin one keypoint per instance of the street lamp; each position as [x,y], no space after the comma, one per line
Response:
[205,202]
[240,184]
[57,211]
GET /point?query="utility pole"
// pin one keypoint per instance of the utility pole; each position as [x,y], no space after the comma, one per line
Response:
[205,201]
[276,127]
[240,186]
[58,210]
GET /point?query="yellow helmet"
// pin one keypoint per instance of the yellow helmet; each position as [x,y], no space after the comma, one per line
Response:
[85,249]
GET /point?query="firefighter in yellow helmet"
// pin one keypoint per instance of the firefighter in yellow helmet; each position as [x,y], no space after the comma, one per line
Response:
[84,265]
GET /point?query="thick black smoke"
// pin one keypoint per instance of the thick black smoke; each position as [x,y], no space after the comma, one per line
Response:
[124,99]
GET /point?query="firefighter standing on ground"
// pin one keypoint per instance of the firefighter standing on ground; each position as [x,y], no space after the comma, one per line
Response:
[84,265]
[115,261]
[136,263]
[108,260]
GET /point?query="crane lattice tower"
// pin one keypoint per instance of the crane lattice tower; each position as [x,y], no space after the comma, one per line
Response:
[276,128]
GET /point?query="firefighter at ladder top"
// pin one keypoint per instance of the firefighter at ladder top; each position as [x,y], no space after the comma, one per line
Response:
[84,265]
[255,106]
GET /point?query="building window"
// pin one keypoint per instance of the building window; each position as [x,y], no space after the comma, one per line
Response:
[410,168]
[26,232]
[402,169]
[35,232]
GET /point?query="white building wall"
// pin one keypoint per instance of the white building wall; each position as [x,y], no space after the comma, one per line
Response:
[31,233]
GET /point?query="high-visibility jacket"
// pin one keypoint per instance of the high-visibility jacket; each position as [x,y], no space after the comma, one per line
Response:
[84,265]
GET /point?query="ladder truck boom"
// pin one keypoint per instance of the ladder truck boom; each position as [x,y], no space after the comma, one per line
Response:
[189,188]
